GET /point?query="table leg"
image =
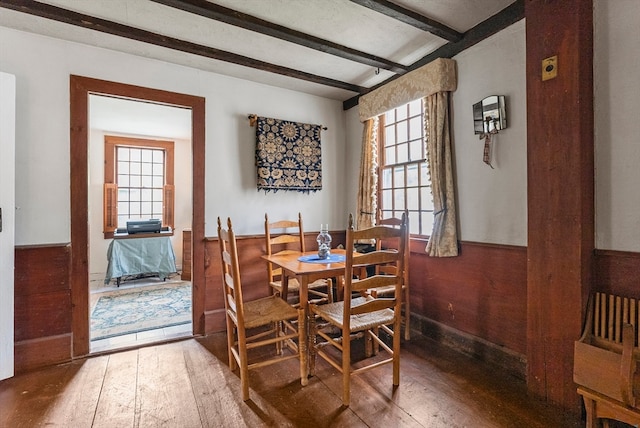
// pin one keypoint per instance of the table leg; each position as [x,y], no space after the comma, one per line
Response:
[304,348]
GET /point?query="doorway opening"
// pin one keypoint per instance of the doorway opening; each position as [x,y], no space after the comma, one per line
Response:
[140,157]
[81,89]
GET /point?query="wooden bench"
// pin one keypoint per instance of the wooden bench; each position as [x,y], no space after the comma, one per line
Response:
[605,359]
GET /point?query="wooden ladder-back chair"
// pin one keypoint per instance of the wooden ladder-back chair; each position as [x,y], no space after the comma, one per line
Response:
[388,291]
[365,315]
[271,317]
[286,236]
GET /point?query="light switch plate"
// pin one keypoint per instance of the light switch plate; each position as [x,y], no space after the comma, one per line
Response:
[550,68]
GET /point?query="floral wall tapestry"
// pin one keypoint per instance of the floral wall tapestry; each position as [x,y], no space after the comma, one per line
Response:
[288,155]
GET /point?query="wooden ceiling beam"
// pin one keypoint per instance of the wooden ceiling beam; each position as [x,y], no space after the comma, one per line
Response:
[411,18]
[86,21]
[248,22]
[507,16]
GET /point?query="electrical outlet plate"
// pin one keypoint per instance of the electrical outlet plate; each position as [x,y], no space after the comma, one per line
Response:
[550,68]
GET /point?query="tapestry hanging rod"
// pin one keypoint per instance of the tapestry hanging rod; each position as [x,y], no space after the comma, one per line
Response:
[253,118]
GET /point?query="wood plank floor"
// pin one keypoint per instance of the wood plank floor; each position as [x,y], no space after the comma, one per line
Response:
[188,384]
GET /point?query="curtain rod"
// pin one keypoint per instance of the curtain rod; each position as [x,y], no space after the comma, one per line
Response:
[253,118]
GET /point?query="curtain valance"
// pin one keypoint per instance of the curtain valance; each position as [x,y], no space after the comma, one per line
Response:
[437,76]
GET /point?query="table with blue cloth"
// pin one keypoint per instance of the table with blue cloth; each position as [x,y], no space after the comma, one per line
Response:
[140,256]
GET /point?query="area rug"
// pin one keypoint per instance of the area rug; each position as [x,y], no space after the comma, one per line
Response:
[141,309]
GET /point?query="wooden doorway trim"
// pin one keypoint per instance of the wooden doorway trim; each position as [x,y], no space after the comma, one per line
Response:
[80,88]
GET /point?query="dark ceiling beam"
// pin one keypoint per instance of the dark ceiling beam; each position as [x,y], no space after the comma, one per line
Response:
[507,16]
[411,18]
[252,23]
[81,20]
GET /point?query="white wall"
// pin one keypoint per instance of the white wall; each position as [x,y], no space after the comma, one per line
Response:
[42,66]
[492,203]
[617,114]
[7,236]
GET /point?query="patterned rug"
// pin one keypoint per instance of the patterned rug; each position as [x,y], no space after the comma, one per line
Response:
[141,309]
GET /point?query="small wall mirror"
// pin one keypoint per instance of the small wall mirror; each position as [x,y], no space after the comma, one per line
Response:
[489,115]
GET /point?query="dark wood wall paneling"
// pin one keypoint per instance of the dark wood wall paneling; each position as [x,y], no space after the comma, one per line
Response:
[560,175]
[486,286]
[42,306]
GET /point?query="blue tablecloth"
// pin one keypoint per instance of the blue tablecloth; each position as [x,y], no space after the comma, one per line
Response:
[313,258]
[135,256]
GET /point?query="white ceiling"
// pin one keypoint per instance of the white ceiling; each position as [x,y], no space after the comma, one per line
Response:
[339,21]
[138,118]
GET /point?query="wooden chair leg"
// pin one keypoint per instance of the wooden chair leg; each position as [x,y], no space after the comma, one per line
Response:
[346,367]
[313,340]
[407,316]
[244,367]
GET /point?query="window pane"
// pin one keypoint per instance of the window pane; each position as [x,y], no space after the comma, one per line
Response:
[158,182]
[398,199]
[386,202]
[398,176]
[134,195]
[157,194]
[123,195]
[123,208]
[134,168]
[134,155]
[412,175]
[389,116]
[412,198]
[415,128]
[135,209]
[415,150]
[145,209]
[147,168]
[122,153]
[414,225]
[147,155]
[403,134]
[147,181]
[123,180]
[134,181]
[401,113]
[427,223]
[386,178]
[390,155]
[157,208]
[389,136]
[403,153]
[146,195]
[426,198]
[123,167]
[158,169]
[158,156]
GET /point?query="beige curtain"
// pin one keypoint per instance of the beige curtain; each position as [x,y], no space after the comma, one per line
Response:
[444,237]
[368,183]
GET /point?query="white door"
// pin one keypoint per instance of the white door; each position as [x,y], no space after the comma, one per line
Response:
[7,219]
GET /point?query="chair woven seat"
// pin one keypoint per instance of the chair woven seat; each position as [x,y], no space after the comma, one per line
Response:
[333,313]
[266,311]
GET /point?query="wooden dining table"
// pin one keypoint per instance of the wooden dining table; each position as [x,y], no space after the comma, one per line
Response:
[306,272]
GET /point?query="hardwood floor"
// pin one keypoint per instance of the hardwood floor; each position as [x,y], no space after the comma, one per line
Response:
[189,384]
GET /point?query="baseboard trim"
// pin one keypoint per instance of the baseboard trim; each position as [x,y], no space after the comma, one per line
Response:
[473,346]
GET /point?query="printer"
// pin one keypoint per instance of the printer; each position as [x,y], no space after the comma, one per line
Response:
[152,225]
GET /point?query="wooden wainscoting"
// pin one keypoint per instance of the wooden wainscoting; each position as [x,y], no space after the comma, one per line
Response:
[617,272]
[42,306]
[476,302]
